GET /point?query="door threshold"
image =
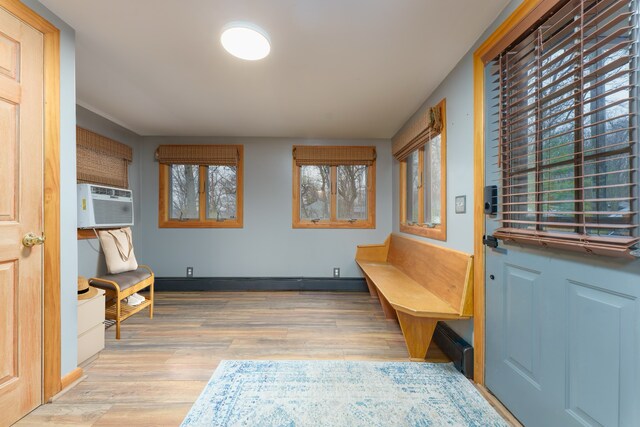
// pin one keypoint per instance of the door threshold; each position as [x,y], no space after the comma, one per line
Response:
[498,406]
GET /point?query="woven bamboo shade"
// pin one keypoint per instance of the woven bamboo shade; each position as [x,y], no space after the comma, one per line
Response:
[100,160]
[418,132]
[224,155]
[333,155]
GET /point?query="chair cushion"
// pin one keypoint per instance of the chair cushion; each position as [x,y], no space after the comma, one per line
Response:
[124,280]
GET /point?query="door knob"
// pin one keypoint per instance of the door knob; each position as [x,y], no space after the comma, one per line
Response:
[30,239]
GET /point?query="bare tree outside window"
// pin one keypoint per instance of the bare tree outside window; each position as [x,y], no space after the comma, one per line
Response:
[432,185]
[334,187]
[200,186]
[567,126]
[423,180]
[184,184]
[221,192]
[315,192]
[352,192]
[413,187]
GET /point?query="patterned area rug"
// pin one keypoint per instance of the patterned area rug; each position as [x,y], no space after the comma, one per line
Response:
[339,393]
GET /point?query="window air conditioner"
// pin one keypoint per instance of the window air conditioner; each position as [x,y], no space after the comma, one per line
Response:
[104,207]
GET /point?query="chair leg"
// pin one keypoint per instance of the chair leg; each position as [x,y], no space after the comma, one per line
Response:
[118,317]
[151,305]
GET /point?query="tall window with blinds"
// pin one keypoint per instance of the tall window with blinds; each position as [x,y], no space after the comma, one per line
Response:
[567,118]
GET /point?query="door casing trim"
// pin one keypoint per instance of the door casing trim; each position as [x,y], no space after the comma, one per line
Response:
[525,15]
[51,363]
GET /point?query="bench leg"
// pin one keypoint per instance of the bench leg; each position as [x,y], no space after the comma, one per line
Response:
[151,305]
[417,332]
[372,288]
[118,317]
[389,311]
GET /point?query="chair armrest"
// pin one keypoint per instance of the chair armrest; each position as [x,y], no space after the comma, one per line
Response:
[377,245]
[98,281]
[146,267]
[376,252]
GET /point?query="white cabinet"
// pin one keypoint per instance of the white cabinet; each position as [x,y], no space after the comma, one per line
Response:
[90,326]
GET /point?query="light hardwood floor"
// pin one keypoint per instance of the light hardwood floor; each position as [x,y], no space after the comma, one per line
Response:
[153,375]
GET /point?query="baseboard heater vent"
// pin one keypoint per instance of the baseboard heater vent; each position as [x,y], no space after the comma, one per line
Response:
[240,284]
[457,349]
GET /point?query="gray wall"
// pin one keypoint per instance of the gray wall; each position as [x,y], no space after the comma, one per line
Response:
[267,246]
[68,256]
[457,88]
[90,259]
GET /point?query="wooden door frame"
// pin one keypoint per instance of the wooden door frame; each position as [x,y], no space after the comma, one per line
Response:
[51,344]
[522,18]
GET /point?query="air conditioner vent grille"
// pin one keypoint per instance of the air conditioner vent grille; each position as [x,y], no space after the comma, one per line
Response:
[102,190]
[122,193]
[109,212]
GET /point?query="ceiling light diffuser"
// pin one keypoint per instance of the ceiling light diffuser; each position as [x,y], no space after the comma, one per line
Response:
[245,41]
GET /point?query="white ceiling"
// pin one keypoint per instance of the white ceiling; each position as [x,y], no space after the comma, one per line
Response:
[337,68]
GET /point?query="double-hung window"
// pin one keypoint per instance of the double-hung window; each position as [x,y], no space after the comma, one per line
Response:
[567,119]
[422,153]
[200,186]
[333,187]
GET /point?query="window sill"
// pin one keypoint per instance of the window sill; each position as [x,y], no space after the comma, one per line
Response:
[437,233]
[335,224]
[88,233]
[201,224]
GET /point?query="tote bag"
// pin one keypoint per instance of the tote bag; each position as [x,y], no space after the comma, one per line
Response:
[118,250]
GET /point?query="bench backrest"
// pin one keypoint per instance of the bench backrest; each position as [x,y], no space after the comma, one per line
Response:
[445,272]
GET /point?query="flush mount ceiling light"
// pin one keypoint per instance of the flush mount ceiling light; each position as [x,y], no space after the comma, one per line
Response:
[245,41]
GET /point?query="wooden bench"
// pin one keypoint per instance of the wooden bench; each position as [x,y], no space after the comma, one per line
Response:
[119,286]
[418,284]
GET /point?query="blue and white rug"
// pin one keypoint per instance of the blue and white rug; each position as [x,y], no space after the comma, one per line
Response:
[339,393]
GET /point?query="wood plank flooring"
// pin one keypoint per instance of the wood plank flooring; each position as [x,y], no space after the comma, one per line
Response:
[152,376]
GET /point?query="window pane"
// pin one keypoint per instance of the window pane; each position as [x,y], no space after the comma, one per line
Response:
[413,182]
[432,184]
[315,192]
[221,192]
[184,183]
[352,192]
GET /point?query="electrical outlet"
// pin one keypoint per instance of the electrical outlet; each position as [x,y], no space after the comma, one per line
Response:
[336,272]
[189,271]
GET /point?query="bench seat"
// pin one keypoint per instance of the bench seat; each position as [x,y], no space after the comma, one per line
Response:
[405,294]
[418,284]
[119,286]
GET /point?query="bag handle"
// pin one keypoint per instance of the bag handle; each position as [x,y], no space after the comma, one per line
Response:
[119,247]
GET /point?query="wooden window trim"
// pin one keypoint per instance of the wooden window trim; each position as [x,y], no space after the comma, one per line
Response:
[370,222]
[163,201]
[439,232]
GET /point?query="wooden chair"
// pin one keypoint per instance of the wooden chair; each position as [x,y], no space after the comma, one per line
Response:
[117,287]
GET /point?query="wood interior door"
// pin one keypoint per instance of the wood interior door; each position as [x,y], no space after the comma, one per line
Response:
[21,212]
